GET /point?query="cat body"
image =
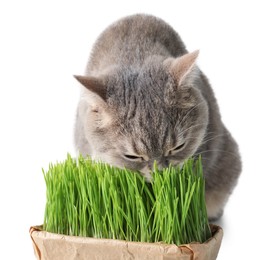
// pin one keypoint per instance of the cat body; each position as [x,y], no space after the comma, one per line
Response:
[144,99]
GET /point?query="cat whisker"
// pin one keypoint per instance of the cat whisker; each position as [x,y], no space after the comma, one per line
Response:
[181,133]
[194,107]
[185,117]
[205,140]
[216,151]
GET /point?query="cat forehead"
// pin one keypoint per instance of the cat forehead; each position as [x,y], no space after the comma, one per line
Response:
[149,70]
[142,84]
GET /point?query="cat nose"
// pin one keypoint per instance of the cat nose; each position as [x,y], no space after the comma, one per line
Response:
[161,163]
[164,162]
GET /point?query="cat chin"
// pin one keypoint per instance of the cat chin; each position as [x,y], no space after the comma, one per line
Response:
[146,172]
[148,177]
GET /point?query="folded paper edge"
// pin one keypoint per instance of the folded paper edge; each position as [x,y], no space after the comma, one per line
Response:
[209,249]
[193,249]
[35,246]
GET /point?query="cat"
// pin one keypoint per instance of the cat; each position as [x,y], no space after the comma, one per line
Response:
[143,99]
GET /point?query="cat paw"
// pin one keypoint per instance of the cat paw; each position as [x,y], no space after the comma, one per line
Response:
[215,218]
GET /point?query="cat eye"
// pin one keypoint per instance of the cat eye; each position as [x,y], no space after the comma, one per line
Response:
[133,157]
[177,149]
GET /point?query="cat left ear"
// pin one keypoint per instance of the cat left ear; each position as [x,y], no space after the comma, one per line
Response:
[184,66]
[93,84]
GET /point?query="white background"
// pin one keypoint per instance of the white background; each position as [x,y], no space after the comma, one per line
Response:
[42,43]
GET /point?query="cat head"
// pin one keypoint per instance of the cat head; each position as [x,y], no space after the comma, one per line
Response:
[135,116]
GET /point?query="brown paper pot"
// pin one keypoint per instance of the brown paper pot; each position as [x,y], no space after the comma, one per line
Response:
[50,246]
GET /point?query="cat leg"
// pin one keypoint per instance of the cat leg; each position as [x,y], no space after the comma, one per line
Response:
[215,202]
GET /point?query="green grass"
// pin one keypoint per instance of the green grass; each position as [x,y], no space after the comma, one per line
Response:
[86,198]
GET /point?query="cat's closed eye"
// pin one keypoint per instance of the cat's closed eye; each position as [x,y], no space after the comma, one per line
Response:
[134,157]
[176,149]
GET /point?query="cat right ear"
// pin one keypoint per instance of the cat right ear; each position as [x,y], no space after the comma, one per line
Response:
[183,67]
[93,84]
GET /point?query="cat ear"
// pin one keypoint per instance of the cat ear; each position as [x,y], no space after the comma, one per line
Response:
[184,66]
[184,70]
[93,84]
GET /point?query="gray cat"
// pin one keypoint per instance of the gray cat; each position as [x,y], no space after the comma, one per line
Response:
[145,99]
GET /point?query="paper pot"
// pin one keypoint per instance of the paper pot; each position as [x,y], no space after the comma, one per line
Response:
[50,246]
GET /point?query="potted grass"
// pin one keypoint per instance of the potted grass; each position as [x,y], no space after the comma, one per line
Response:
[96,211]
